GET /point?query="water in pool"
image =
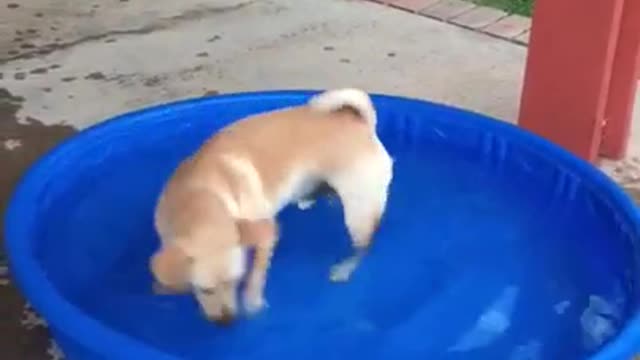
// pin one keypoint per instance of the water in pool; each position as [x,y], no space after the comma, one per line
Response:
[467,265]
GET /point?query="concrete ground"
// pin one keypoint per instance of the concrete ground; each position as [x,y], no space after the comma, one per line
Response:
[65,65]
[78,64]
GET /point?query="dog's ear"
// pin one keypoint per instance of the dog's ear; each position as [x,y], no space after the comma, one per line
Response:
[170,266]
[255,232]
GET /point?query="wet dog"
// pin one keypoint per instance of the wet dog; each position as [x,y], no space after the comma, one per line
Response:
[223,200]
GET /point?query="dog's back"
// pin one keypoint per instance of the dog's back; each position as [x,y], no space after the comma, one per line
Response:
[285,146]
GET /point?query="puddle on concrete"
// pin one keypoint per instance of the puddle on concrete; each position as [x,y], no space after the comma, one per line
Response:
[20,145]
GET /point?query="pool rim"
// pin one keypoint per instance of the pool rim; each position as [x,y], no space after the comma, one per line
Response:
[90,333]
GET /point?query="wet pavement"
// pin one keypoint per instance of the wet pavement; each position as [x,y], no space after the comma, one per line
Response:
[23,335]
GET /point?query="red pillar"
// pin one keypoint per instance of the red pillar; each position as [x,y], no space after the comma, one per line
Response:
[569,67]
[624,83]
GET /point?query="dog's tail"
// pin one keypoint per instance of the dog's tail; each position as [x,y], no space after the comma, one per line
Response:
[354,100]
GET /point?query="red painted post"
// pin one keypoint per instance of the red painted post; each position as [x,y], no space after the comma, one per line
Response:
[624,83]
[571,52]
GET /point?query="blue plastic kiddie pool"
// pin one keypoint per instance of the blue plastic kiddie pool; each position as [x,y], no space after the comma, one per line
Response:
[496,245]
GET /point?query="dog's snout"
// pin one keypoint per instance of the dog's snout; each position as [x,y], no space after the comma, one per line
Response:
[226,318]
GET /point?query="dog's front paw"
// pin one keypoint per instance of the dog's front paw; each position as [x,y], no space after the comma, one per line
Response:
[254,303]
[341,272]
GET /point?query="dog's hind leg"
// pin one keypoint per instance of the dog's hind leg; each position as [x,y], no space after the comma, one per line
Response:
[363,192]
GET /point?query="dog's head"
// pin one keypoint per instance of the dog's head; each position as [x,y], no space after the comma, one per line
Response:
[211,264]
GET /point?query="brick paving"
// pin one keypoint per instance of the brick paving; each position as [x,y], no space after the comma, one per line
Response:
[509,27]
[411,5]
[463,13]
[447,9]
[479,17]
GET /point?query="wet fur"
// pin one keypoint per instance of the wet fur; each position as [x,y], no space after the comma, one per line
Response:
[223,200]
